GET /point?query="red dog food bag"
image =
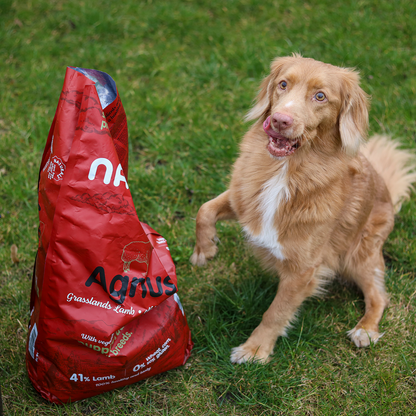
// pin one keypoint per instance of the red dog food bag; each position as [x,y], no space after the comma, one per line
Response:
[104,311]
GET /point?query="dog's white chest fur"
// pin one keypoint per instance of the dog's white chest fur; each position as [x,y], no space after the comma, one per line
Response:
[274,191]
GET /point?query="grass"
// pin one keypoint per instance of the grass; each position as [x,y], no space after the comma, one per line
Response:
[187,71]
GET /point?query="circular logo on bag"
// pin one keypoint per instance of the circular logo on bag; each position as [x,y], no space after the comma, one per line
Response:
[56,169]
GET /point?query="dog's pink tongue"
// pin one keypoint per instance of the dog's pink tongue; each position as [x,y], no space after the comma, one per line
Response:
[266,125]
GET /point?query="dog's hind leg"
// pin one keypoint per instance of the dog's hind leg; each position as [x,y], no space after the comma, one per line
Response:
[364,264]
[369,276]
[212,211]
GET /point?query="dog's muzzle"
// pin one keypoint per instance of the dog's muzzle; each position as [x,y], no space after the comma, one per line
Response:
[279,145]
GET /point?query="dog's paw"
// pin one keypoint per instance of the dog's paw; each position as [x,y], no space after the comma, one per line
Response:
[198,259]
[244,354]
[362,337]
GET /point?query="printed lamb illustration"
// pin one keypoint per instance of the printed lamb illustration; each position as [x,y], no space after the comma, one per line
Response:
[136,251]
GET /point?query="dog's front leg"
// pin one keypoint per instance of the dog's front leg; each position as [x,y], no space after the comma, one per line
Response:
[212,211]
[293,290]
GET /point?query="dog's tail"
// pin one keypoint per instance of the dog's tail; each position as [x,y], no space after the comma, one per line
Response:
[397,167]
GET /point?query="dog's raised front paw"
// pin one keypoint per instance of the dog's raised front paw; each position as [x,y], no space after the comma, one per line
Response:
[201,256]
[244,353]
[362,337]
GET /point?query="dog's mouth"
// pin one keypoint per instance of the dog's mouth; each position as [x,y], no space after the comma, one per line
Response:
[279,145]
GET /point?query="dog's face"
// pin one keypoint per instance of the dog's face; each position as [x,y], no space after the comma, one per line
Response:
[302,100]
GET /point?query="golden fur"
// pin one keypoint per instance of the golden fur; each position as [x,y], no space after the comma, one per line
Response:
[311,204]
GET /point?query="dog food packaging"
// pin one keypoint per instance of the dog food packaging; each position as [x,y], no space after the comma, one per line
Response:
[104,308]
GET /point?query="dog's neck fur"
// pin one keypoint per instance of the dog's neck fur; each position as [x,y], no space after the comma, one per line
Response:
[274,193]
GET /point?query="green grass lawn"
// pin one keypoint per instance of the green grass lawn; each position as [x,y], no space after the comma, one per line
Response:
[187,72]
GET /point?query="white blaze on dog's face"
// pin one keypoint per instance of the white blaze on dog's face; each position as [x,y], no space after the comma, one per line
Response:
[302,100]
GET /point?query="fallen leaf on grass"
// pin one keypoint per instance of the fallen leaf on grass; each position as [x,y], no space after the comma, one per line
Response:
[13,254]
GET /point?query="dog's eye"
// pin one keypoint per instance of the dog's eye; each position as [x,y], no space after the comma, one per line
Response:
[282,85]
[320,96]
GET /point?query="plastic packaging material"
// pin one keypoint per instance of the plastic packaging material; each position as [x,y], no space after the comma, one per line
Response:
[104,309]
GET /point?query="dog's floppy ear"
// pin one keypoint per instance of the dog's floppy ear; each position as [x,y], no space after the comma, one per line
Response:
[353,119]
[262,102]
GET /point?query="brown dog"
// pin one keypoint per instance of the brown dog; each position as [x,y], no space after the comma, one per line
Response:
[311,199]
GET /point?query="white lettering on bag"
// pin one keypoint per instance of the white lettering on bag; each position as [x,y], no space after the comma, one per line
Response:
[108,169]
[108,172]
[119,177]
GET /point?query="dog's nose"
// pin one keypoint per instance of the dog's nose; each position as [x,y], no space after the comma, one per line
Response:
[281,121]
